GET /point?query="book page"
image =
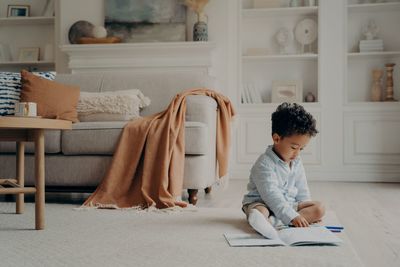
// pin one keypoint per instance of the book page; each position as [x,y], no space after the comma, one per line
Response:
[251,240]
[308,236]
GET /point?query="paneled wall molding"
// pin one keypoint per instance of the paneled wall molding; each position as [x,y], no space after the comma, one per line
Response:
[371,138]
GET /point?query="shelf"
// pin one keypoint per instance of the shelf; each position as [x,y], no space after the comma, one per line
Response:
[372,106]
[281,57]
[18,63]
[312,106]
[90,57]
[263,12]
[374,7]
[27,21]
[374,54]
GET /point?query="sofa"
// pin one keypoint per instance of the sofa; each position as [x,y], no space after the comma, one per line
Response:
[77,159]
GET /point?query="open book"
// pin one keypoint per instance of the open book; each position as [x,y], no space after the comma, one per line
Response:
[292,236]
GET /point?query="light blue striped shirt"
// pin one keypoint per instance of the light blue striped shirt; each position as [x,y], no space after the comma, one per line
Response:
[278,185]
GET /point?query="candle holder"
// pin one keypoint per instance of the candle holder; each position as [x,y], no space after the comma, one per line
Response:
[389,82]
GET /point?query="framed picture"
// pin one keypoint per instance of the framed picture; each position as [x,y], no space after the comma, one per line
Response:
[287,91]
[28,54]
[137,21]
[18,11]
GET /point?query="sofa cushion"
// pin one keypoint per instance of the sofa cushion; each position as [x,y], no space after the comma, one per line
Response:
[101,138]
[10,89]
[52,143]
[54,100]
[122,105]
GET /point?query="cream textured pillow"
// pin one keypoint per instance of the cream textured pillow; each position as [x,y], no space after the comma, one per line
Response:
[111,106]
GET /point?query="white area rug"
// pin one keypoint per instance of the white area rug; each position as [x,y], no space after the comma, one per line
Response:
[126,238]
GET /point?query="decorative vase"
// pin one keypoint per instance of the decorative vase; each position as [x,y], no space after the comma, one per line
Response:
[200,29]
[376,90]
[309,97]
[389,82]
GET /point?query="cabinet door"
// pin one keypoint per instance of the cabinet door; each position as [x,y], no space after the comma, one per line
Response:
[254,135]
[372,138]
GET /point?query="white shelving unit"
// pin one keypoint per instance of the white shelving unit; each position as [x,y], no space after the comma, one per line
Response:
[26,32]
[26,21]
[281,57]
[27,63]
[370,129]
[257,31]
[283,11]
[374,7]
[360,64]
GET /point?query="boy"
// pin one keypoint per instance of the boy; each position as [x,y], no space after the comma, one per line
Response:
[278,184]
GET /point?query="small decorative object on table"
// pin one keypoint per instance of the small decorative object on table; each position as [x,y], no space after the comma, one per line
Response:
[376,90]
[25,109]
[389,82]
[200,29]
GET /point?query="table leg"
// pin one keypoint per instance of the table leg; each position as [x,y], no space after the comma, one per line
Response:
[39,178]
[20,176]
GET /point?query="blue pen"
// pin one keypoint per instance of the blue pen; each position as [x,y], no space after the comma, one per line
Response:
[334,227]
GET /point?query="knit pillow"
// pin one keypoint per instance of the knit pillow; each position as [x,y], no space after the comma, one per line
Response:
[10,89]
[111,106]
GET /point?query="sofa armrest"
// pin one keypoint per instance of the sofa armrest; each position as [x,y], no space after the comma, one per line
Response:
[201,108]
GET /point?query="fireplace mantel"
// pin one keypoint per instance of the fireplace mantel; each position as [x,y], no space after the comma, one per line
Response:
[139,56]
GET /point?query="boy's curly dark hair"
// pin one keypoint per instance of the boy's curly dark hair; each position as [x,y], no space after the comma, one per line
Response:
[290,119]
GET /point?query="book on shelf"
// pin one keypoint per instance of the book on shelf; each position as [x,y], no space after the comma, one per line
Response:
[292,236]
[245,96]
[371,45]
[371,42]
[251,94]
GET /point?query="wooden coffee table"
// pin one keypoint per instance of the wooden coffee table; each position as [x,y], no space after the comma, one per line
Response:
[21,130]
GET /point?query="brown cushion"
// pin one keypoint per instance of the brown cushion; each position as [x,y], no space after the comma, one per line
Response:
[54,100]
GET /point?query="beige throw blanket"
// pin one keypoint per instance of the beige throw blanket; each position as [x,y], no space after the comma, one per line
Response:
[147,167]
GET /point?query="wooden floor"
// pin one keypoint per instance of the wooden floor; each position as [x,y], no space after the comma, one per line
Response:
[370,213]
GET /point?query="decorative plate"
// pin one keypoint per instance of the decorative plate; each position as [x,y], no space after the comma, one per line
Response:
[306,31]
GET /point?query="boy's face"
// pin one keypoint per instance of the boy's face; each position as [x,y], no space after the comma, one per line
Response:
[289,147]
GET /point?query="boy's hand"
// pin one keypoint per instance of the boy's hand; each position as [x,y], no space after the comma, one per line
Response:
[300,221]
